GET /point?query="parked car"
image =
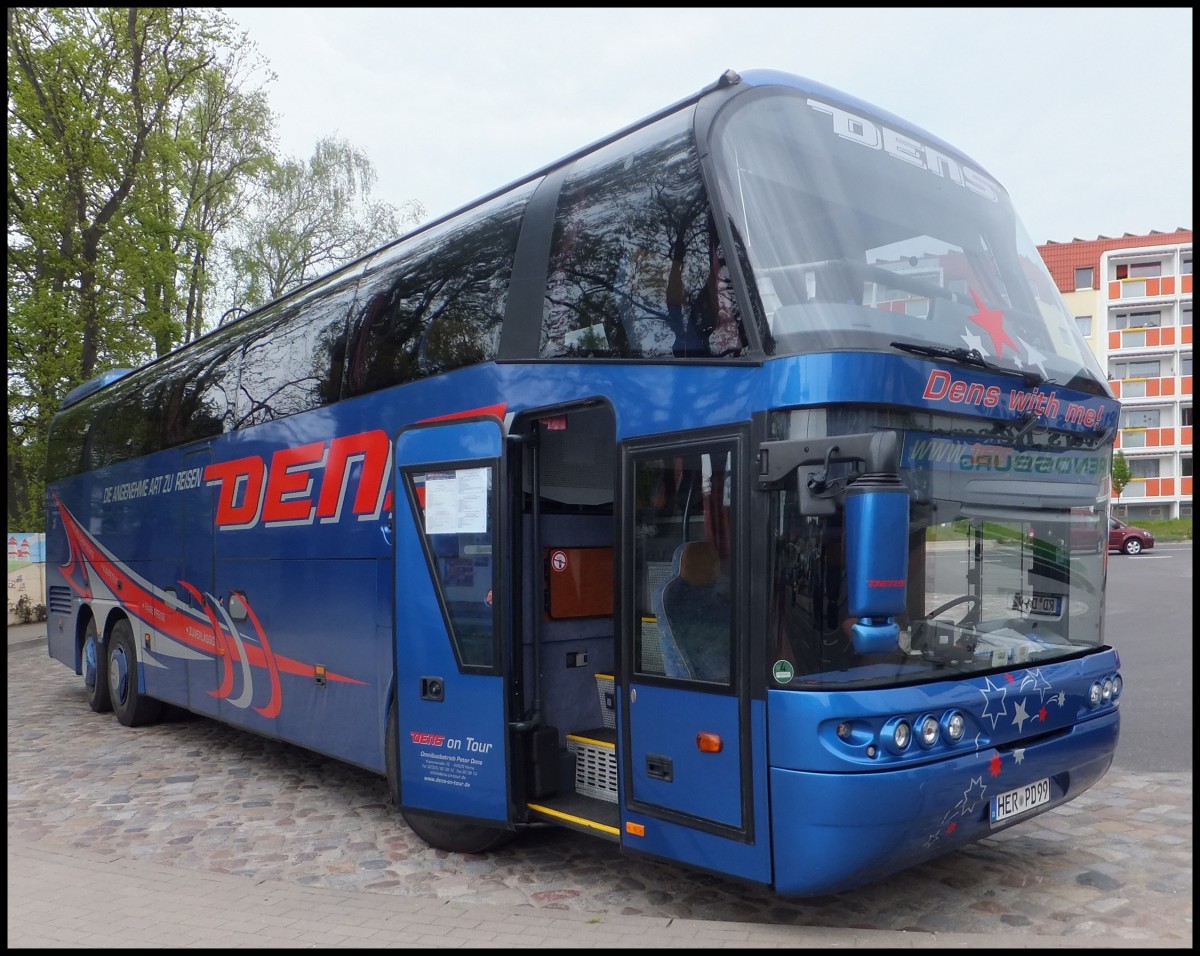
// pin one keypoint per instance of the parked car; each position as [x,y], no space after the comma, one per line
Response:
[1128,538]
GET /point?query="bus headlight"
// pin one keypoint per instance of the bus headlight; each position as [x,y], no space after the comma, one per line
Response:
[1117,686]
[954,725]
[927,730]
[1095,694]
[1107,690]
[897,735]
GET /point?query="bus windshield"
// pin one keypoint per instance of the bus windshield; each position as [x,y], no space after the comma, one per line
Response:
[860,233]
[995,579]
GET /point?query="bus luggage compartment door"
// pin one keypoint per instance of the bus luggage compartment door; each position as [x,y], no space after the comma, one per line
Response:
[452,751]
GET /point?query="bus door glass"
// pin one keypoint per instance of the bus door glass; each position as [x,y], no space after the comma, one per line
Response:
[688,759]
[449,689]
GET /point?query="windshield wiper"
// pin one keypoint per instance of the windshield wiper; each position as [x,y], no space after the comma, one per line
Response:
[967,357]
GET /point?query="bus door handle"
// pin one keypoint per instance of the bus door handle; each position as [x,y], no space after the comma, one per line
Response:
[659,767]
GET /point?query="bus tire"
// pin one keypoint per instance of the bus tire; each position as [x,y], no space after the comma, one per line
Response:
[453,836]
[439,832]
[94,661]
[132,707]
[391,740]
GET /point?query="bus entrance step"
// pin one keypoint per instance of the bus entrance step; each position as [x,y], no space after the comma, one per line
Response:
[577,812]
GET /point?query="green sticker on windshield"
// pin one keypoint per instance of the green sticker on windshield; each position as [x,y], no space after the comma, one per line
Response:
[783,672]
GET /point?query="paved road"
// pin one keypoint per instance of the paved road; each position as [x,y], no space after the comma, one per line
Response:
[189,833]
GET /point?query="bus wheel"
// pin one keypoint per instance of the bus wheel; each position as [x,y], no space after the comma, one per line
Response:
[455,837]
[95,670]
[132,707]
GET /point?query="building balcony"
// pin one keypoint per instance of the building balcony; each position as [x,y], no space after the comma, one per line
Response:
[1166,387]
[1168,336]
[1149,287]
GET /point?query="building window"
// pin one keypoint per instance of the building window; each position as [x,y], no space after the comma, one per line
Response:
[1185,466]
[1084,277]
[1134,320]
[1185,365]
[1144,368]
[1143,468]
[1145,270]
[1185,314]
[1185,266]
[1185,416]
[1085,325]
[1140,417]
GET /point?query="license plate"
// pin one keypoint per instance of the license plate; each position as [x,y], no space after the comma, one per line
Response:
[1037,605]
[1013,803]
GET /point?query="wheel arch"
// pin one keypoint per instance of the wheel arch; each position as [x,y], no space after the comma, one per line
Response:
[85,616]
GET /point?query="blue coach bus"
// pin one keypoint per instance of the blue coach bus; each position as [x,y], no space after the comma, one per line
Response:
[710,491]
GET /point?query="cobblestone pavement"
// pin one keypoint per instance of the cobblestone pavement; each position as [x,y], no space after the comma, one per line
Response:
[1114,864]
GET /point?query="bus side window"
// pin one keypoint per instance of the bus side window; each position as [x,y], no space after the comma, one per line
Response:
[294,362]
[635,267]
[435,303]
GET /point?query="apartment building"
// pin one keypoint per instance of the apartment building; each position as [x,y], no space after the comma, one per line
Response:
[1132,299]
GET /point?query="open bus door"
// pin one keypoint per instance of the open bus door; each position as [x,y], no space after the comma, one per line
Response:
[694,755]
[447,732]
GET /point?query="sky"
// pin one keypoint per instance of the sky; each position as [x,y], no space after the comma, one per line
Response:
[1083,114]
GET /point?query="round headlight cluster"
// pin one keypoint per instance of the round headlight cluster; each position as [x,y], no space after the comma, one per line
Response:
[898,733]
[1105,691]
[927,731]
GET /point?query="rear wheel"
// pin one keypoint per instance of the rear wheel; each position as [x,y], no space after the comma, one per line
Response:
[132,707]
[439,832]
[1133,546]
[95,670]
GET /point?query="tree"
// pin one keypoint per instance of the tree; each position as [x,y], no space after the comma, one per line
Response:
[98,217]
[309,218]
[136,143]
[1121,474]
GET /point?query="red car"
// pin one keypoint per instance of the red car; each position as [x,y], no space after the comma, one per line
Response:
[1128,538]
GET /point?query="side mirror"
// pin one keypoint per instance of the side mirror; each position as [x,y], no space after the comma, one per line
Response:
[876,560]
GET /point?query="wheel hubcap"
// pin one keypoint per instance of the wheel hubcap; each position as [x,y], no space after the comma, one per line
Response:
[89,661]
[118,675]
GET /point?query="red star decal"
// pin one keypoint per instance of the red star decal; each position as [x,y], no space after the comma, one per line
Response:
[1010,678]
[1042,714]
[950,829]
[995,766]
[992,322]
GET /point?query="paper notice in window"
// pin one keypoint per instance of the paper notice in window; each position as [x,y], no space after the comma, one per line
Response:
[456,502]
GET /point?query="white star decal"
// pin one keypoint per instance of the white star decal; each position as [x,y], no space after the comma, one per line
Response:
[974,342]
[989,700]
[970,798]
[1033,682]
[1019,755]
[1019,716]
[1035,357]
[1061,697]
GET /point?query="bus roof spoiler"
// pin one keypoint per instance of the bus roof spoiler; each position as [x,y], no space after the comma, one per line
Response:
[80,392]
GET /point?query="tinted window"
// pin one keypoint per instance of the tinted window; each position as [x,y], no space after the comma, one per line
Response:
[198,388]
[293,359]
[66,450]
[436,303]
[635,266]
[126,423]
